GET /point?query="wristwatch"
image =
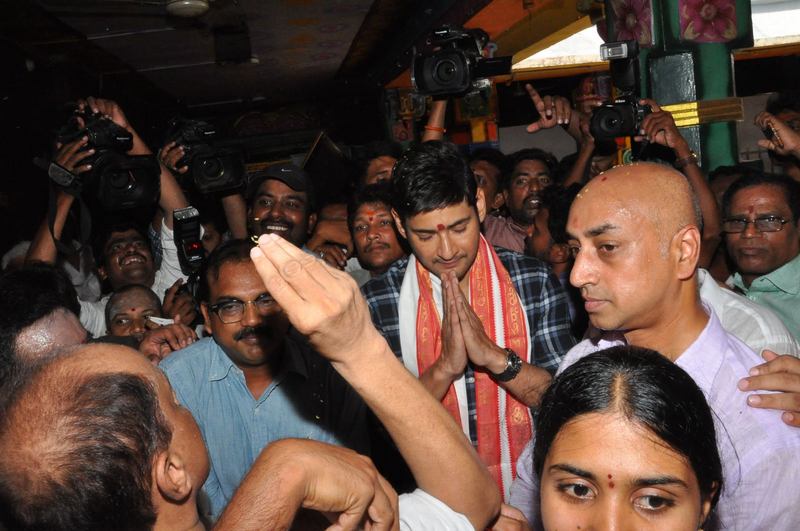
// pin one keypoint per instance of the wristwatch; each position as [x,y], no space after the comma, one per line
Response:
[513,366]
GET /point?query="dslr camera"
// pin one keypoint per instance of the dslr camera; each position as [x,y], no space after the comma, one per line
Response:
[623,116]
[116,181]
[213,168]
[453,62]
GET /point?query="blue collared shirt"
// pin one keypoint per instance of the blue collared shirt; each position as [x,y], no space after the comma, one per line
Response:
[307,399]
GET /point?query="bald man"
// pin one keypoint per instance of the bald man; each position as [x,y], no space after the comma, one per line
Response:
[635,233]
[115,450]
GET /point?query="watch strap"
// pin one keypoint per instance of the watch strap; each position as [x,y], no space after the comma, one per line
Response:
[513,366]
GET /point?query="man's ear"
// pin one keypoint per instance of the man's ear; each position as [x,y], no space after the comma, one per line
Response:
[101,272]
[687,245]
[312,222]
[399,223]
[480,204]
[559,253]
[206,317]
[498,202]
[172,479]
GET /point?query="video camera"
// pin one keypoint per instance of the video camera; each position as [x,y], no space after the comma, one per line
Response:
[624,115]
[453,62]
[214,168]
[117,181]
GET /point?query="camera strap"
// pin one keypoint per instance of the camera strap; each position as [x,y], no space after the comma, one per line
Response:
[69,183]
[84,221]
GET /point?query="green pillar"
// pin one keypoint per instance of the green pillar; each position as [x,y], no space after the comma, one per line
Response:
[676,70]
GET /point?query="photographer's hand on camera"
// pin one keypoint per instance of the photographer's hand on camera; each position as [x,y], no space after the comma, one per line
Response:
[170,154]
[114,112]
[659,127]
[553,110]
[784,140]
[70,155]
[179,303]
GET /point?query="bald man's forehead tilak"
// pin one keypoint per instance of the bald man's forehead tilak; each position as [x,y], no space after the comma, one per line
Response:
[651,191]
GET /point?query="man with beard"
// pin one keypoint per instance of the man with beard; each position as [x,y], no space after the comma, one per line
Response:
[282,202]
[255,381]
[531,172]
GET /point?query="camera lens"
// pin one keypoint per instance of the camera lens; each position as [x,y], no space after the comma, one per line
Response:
[211,168]
[120,180]
[445,71]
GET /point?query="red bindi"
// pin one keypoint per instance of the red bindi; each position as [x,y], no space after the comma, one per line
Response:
[440,227]
[603,178]
[370,219]
[611,484]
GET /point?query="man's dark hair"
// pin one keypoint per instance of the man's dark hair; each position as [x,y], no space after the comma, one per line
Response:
[558,201]
[27,295]
[430,176]
[789,187]
[230,251]
[550,162]
[786,100]
[645,388]
[102,235]
[88,465]
[380,192]
[378,148]
[490,155]
[740,170]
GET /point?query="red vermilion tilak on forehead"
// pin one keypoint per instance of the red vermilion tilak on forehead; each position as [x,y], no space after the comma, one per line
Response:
[440,227]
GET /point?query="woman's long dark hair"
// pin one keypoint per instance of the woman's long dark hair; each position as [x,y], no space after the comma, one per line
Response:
[644,387]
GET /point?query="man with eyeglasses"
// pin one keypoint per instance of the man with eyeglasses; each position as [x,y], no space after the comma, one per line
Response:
[762,234]
[256,380]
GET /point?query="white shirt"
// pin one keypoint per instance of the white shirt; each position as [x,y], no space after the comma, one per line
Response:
[756,325]
[419,511]
[93,316]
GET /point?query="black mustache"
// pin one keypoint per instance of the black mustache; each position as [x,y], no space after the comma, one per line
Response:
[250,331]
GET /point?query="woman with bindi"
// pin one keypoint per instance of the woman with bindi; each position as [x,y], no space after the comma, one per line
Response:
[625,440]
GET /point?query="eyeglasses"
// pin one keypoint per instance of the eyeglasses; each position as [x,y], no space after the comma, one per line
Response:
[232,311]
[764,224]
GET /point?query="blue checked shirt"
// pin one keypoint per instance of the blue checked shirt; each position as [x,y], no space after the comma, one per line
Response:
[543,299]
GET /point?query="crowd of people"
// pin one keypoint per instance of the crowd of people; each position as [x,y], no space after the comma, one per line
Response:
[461,341]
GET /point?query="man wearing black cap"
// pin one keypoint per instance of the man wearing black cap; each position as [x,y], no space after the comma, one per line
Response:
[282,201]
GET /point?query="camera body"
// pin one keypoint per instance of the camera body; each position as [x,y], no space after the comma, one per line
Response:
[618,118]
[117,181]
[622,116]
[454,61]
[213,168]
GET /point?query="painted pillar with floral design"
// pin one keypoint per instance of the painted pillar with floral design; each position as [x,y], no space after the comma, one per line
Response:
[688,44]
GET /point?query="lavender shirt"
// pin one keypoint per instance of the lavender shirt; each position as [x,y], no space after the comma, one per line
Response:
[759,452]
